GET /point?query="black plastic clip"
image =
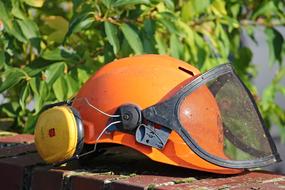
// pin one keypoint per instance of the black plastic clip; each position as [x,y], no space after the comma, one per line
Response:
[151,136]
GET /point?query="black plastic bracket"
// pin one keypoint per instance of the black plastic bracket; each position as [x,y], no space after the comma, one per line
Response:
[151,136]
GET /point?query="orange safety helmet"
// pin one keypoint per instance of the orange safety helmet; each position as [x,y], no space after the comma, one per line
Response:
[165,109]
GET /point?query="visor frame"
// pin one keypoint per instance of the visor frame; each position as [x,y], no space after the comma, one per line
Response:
[167,113]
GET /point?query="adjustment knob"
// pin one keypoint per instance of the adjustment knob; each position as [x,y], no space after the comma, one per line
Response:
[131,116]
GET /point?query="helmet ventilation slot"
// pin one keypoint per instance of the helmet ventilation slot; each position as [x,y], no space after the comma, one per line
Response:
[186,71]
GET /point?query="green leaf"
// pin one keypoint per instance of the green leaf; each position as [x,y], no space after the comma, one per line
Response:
[133,38]
[29,28]
[76,3]
[72,86]
[108,3]
[83,24]
[38,103]
[187,11]
[60,89]
[15,30]
[235,9]
[275,42]
[54,54]
[231,22]
[149,44]
[108,53]
[174,46]
[17,11]
[125,50]
[24,94]
[2,59]
[219,8]
[82,75]
[265,9]
[120,3]
[200,6]
[149,26]
[148,36]
[4,14]
[11,78]
[30,123]
[161,44]
[11,109]
[280,89]
[279,75]
[35,3]
[70,54]
[169,4]
[39,87]
[241,63]
[188,34]
[36,67]
[223,41]
[80,22]
[193,8]
[34,84]
[59,26]
[41,92]
[169,21]
[9,25]
[54,72]
[60,53]
[201,57]
[250,31]
[112,36]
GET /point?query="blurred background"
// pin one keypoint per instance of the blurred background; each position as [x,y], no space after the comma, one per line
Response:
[48,49]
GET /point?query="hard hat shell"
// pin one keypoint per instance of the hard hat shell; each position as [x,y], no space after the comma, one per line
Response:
[145,81]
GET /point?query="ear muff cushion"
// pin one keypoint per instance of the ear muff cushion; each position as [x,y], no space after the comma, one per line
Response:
[80,131]
[58,131]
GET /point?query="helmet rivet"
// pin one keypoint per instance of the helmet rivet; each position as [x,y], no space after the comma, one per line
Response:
[126,117]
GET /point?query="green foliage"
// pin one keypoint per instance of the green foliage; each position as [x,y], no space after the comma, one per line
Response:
[48,49]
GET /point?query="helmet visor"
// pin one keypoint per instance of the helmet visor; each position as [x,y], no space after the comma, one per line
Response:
[226,123]
[217,117]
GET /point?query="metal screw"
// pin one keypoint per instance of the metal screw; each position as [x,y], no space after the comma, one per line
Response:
[126,117]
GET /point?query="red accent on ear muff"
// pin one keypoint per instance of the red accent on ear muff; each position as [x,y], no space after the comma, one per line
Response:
[51,132]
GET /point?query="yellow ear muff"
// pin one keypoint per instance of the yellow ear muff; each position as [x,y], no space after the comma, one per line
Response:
[59,134]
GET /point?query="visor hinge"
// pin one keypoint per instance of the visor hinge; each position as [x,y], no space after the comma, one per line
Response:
[130,116]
